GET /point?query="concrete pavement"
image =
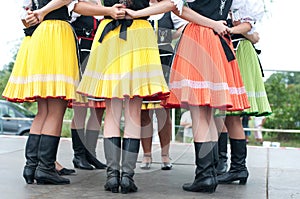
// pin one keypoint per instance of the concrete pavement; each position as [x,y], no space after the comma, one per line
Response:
[274,174]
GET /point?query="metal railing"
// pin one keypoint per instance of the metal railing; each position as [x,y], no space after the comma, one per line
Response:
[173,129]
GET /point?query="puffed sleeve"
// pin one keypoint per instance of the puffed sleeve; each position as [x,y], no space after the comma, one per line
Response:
[27,5]
[72,5]
[179,5]
[177,21]
[249,11]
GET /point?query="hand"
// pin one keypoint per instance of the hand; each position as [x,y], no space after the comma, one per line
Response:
[31,19]
[230,30]
[39,14]
[118,11]
[254,38]
[220,27]
[131,13]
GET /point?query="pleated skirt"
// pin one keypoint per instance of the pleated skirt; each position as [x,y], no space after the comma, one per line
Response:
[252,77]
[15,88]
[50,69]
[201,75]
[120,68]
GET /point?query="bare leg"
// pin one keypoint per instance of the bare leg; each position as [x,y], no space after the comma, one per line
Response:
[146,137]
[165,132]
[133,118]
[95,119]
[235,127]
[147,131]
[204,128]
[54,120]
[112,118]
[39,120]
[78,121]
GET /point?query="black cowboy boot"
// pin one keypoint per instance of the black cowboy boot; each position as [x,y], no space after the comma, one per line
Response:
[238,169]
[91,139]
[205,179]
[79,149]
[31,154]
[222,145]
[45,172]
[112,151]
[129,157]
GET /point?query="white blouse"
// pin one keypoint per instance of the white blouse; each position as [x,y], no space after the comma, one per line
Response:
[249,11]
[26,5]
[179,5]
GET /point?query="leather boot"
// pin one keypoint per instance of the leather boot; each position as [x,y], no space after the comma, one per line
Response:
[31,154]
[112,151]
[45,172]
[205,179]
[129,157]
[91,139]
[238,170]
[79,159]
[222,147]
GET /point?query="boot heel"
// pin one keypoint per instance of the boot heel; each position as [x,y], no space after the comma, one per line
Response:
[114,189]
[211,189]
[29,179]
[41,182]
[127,185]
[28,175]
[243,181]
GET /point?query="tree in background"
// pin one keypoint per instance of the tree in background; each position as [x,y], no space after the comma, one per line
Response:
[283,91]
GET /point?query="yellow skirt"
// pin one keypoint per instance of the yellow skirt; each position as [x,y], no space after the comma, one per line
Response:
[120,68]
[15,87]
[52,64]
[151,105]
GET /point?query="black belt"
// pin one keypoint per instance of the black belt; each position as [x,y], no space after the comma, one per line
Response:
[124,23]
[237,38]
[29,31]
[228,52]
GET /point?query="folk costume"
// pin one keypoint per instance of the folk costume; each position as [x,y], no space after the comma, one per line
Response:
[205,73]
[49,70]
[251,71]
[124,63]
[247,57]
[84,140]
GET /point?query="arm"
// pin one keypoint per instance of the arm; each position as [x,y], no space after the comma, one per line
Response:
[186,125]
[88,9]
[263,121]
[37,16]
[178,32]
[241,28]
[254,38]
[157,8]
[187,14]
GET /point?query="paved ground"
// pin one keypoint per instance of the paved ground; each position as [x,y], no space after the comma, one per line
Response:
[274,174]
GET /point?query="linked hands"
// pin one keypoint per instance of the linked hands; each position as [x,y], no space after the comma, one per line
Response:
[221,27]
[118,11]
[34,17]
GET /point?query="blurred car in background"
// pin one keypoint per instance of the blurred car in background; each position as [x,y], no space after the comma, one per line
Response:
[14,119]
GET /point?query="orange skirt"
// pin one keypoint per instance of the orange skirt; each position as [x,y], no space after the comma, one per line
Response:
[201,75]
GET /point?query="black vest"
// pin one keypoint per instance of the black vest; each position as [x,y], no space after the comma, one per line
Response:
[213,9]
[59,14]
[132,4]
